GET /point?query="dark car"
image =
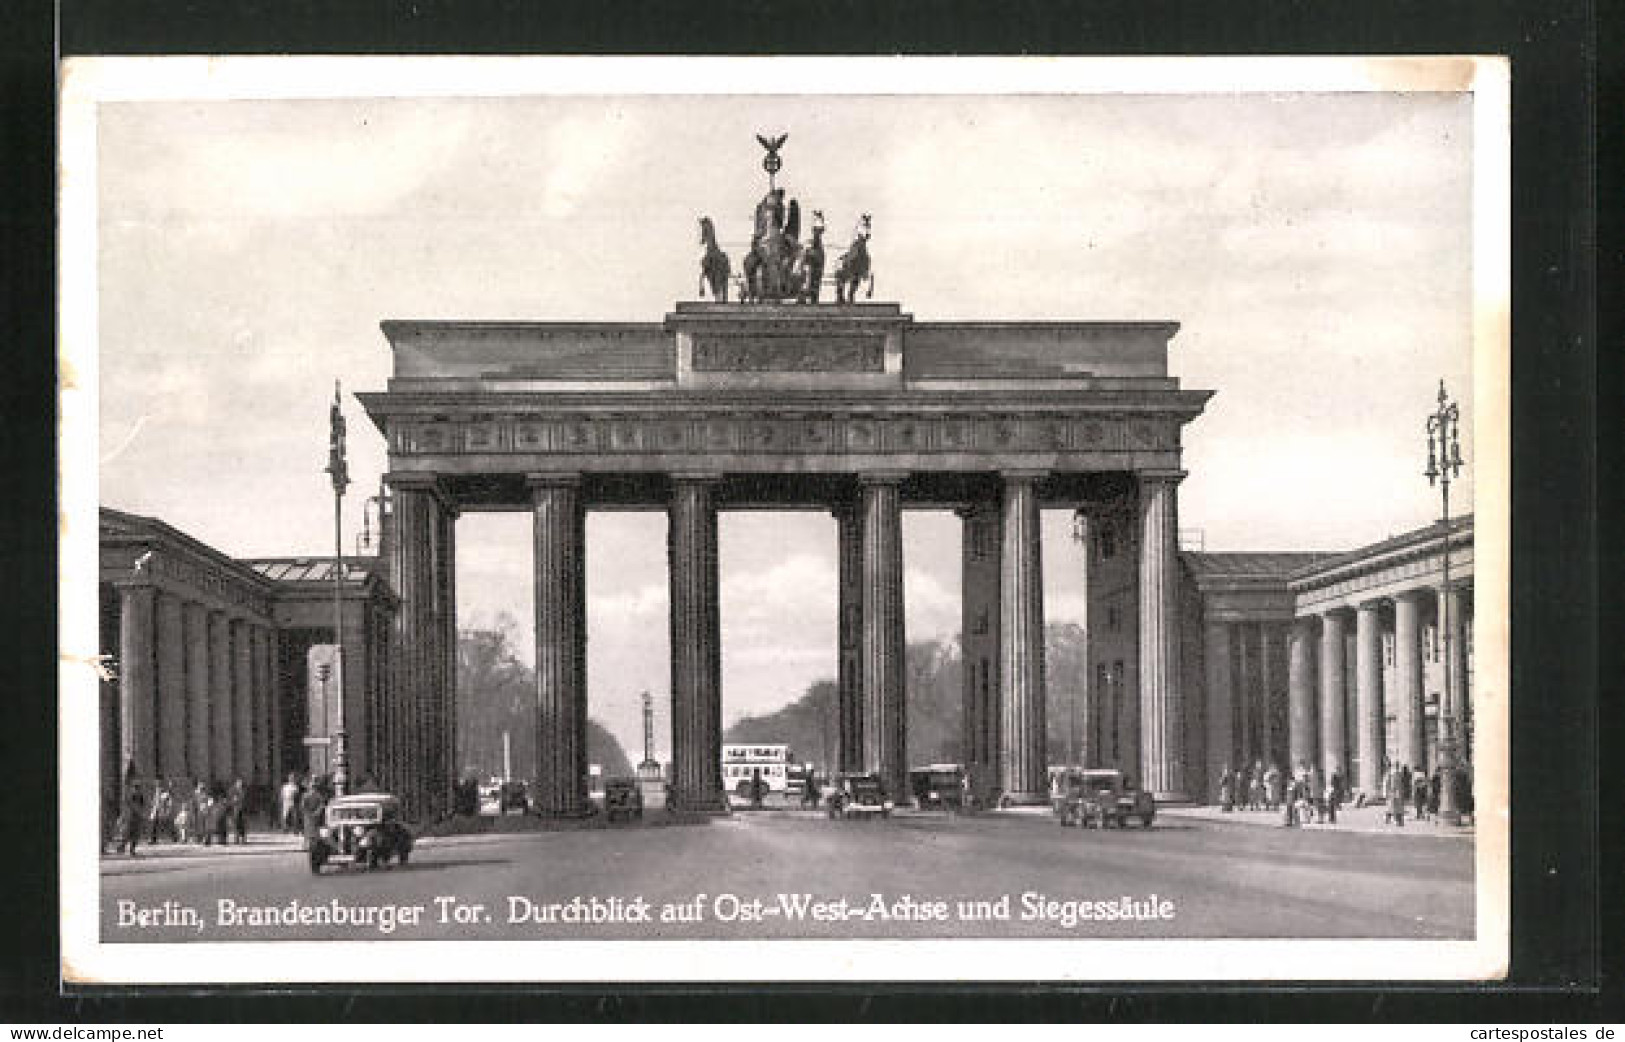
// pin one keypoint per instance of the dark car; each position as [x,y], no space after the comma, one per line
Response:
[365,830]
[623,798]
[1102,797]
[941,786]
[858,796]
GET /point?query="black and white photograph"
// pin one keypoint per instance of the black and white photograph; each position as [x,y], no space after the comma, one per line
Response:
[784,519]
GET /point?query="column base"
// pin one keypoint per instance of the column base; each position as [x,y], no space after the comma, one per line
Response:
[1024,799]
[1170,797]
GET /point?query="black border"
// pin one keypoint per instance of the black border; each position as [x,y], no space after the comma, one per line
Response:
[1556,913]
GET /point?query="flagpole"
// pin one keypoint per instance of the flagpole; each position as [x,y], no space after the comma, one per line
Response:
[337,467]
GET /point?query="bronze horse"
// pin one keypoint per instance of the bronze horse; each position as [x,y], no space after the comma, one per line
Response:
[853,267]
[714,266]
[808,272]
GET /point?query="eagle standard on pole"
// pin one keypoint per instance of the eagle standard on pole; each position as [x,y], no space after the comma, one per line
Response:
[340,472]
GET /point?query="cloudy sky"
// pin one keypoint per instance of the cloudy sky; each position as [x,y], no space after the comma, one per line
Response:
[1316,249]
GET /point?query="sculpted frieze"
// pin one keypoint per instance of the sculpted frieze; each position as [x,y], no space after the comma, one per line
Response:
[794,354]
[855,435]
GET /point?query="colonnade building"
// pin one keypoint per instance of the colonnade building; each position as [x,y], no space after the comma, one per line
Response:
[1328,659]
[1197,660]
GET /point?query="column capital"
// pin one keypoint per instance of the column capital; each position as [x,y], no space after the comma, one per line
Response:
[882,477]
[415,481]
[695,477]
[1411,596]
[1160,477]
[1023,475]
[1373,604]
[563,479]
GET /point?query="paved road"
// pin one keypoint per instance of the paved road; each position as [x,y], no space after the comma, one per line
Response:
[937,876]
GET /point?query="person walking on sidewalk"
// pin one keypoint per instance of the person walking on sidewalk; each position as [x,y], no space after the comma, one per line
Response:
[1396,797]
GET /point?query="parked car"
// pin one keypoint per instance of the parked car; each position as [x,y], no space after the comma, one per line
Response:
[940,785]
[364,830]
[623,798]
[858,796]
[1102,797]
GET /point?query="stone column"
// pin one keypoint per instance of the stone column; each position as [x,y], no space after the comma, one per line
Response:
[1247,697]
[1368,695]
[884,740]
[138,745]
[260,732]
[199,744]
[1021,645]
[1301,696]
[1333,696]
[221,698]
[980,578]
[1269,701]
[561,644]
[415,640]
[849,638]
[1162,717]
[696,646]
[171,720]
[1407,703]
[1216,666]
[242,706]
[450,770]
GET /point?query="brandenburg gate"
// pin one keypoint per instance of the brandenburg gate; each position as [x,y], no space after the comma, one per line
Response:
[782,402]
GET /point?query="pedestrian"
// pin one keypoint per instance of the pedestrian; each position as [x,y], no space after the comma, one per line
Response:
[132,817]
[1227,790]
[1289,805]
[1272,787]
[1435,784]
[1419,795]
[1396,798]
[312,806]
[1333,797]
[237,811]
[288,804]
[161,814]
[756,787]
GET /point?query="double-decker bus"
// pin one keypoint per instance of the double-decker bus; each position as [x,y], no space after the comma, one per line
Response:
[741,762]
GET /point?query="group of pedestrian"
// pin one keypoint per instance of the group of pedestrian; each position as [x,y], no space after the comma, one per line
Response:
[302,804]
[1405,789]
[1251,788]
[179,811]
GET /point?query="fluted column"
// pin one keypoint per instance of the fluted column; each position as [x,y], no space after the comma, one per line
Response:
[221,697]
[1269,701]
[1300,679]
[1216,667]
[559,520]
[260,730]
[1247,698]
[849,638]
[171,718]
[696,646]
[1408,714]
[884,740]
[980,577]
[138,737]
[199,745]
[448,694]
[1368,695]
[1021,644]
[415,640]
[1162,718]
[242,704]
[1333,696]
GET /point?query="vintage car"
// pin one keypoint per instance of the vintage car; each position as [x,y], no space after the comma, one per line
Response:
[364,830]
[623,798]
[858,796]
[1101,797]
[940,786]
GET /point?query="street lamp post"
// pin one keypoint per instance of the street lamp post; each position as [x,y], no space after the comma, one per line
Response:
[1444,465]
[340,472]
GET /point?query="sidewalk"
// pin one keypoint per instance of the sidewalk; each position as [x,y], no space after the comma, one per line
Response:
[1367,819]
[258,843]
